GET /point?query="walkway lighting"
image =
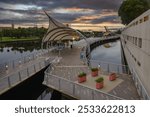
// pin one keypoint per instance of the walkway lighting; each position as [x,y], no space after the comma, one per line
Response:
[6,67]
[19,62]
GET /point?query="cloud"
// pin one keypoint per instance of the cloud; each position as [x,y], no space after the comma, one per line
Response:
[68,11]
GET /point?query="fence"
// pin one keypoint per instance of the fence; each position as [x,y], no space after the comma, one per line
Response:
[110,67]
[21,75]
[76,90]
[63,78]
[12,64]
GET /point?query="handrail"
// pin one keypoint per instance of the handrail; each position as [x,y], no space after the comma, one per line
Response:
[66,80]
[12,64]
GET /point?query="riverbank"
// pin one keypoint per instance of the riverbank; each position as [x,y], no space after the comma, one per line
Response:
[9,39]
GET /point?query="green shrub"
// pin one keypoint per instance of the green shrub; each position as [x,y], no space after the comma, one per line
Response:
[82,74]
[94,69]
[100,79]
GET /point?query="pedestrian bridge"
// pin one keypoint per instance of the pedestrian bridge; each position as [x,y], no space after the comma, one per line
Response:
[16,71]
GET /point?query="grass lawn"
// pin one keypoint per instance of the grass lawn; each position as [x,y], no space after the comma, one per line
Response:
[9,39]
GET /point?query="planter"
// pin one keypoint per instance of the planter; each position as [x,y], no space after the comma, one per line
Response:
[99,83]
[94,72]
[112,77]
[82,77]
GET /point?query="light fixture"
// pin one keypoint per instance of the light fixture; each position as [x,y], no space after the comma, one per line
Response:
[6,67]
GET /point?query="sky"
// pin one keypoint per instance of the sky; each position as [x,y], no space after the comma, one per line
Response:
[90,13]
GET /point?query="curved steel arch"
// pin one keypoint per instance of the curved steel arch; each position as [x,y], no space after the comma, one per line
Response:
[55,33]
[65,35]
[59,35]
[58,28]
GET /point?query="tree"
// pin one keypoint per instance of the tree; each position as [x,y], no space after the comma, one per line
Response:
[131,9]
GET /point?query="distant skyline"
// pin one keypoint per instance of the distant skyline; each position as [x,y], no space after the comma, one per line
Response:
[30,12]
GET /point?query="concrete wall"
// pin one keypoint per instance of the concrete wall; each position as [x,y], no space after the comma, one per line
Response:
[135,40]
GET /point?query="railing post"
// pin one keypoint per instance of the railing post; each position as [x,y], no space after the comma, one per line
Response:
[34,68]
[19,76]
[40,65]
[59,84]
[27,71]
[9,83]
[118,69]
[73,92]
[92,94]
[108,68]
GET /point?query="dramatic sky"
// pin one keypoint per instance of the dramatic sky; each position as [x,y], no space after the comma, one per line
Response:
[30,12]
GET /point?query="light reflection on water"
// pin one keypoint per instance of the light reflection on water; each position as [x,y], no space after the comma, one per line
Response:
[110,52]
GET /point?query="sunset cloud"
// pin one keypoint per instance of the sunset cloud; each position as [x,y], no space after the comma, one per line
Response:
[67,11]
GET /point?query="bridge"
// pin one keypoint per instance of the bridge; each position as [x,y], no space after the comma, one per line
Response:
[16,71]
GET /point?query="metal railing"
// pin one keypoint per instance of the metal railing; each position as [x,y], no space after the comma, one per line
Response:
[13,79]
[76,90]
[63,78]
[13,64]
[109,67]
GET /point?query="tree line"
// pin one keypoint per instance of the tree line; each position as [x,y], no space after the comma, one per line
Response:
[23,32]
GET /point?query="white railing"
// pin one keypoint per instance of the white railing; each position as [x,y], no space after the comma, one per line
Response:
[14,64]
[76,90]
[13,79]
[109,67]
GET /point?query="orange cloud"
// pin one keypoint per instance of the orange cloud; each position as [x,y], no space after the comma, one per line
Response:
[103,14]
[73,10]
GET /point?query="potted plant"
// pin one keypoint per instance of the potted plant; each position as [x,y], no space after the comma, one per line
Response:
[99,83]
[94,72]
[82,77]
[112,76]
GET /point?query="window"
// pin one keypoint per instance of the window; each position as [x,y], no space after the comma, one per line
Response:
[139,64]
[140,42]
[141,20]
[146,18]
[136,22]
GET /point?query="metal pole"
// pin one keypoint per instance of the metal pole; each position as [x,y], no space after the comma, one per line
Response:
[9,84]
[108,68]
[27,72]
[19,76]
[118,69]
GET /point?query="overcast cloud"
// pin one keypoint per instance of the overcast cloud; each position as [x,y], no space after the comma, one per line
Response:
[66,11]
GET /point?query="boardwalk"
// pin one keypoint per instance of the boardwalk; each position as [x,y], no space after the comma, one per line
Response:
[63,77]
[16,71]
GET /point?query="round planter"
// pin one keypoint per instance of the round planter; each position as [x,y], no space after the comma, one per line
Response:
[81,79]
[99,85]
[112,77]
[94,73]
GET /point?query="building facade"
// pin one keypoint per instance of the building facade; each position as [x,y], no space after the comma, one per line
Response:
[135,41]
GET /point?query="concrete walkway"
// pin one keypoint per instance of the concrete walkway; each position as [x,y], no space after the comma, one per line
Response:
[70,66]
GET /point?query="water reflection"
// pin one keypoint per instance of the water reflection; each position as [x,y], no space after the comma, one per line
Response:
[110,52]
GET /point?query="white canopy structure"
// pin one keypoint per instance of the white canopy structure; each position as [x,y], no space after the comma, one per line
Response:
[58,32]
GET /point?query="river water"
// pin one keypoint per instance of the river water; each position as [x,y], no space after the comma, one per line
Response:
[110,52]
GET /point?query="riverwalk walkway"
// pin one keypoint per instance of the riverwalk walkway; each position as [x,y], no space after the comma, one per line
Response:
[16,71]
[62,76]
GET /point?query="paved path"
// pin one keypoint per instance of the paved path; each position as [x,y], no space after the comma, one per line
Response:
[12,76]
[70,66]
